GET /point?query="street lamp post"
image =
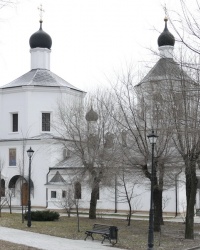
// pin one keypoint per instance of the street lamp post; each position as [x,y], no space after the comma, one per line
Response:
[152,139]
[30,154]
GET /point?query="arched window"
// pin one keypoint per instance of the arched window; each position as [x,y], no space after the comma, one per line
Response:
[66,153]
[77,190]
[2,187]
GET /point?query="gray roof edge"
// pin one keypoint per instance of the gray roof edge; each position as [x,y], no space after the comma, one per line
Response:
[51,80]
[168,61]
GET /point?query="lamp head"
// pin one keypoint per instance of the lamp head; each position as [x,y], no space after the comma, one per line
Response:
[30,152]
[152,138]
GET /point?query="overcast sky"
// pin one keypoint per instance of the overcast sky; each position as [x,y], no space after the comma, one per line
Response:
[91,38]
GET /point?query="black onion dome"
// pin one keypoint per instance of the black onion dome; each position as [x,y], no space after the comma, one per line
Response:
[166,38]
[91,116]
[40,39]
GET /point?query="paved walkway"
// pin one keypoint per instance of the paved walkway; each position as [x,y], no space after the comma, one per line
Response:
[47,242]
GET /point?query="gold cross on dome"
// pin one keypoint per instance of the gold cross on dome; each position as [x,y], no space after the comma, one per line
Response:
[166,13]
[41,10]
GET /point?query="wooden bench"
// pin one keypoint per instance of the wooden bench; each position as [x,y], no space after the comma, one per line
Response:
[107,232]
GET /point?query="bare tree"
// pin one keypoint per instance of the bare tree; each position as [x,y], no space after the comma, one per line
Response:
[126,185]
[186,138]
[21,169]
[183,101]
[2,189]
[70,199]
[185,24]
[8,3]
[137,112]
[88,132]
[9,196]
[5,195]
[4,202]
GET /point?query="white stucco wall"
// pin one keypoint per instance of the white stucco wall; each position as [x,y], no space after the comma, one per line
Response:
[109,201]
[29,102]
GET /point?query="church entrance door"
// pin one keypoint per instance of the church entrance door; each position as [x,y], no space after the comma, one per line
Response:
[24,194]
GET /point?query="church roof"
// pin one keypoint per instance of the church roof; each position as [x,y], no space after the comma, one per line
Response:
[40,77]
[57,178]
[70,162]
[165,69]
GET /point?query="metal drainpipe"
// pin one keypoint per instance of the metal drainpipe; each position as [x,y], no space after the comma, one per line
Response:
[47,189]
[176,192]
[176,196]
[115,193]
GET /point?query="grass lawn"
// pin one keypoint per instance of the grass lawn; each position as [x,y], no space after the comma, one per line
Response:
[133,237]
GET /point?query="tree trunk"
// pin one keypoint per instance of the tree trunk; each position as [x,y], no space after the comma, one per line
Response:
[68,213]
[10,208]
[129,216]
[191,188]
[0,194]
[93,200]
[157,196]
[21,183]
[130,210]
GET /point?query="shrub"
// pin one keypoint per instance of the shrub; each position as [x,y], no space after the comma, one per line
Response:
[43,215]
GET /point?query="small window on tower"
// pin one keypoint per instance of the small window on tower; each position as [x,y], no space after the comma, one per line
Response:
[14,122]
[45,121]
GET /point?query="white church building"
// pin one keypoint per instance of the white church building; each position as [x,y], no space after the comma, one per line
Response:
[27,110]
